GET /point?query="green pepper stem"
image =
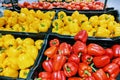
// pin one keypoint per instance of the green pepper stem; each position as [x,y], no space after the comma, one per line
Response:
[47,58]
[87,72]
[68,69]
[93,67]
[79,55]
[89,59]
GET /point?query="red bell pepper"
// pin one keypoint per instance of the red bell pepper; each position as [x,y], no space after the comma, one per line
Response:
[51,51]
[44,75]
[70,69]
[81,36]
[112,69]
[58,75]
[101,61]
[116,50]
[79,47]
[86,58]
[111,78]
[95,49]
[64,49]
[100,75]
[74,58]
[47,65]
[109,52]
[54,42]
[90,78]
[117,61]
[58,62]
[75,78]
[84,70]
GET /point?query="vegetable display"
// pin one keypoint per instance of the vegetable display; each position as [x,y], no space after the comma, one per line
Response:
[83,5]
[103,25]
[85,61]
[26,21]
[17,55]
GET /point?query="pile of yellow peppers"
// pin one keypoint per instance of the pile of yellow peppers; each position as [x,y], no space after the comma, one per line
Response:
[26,20]
[98,26]
[17,55]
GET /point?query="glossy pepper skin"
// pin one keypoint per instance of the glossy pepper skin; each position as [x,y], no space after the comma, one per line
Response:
[51,51]
[84,70]
[90,78]
[75,78]
[47,65]
[109,52]
[116,50]
[44,75]
[101,61]
[100,75]
[112,69]
[58,75]
[58,62]
[64,49]
[74,58]
[86,58]
[95,49]
[79,47]
[70,69]
[117,61]
[54,42]
[81,36]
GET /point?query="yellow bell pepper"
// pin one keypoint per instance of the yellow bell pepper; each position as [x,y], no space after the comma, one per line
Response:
[28,41]
[75,15]
[25,61]
[94,20]
[13,52]
[2,55]
[86,26]
[49,15]
[12,63]
[58,23]
[2,21]
[103,23]
[7,13]
[1,71]
[111,25]
[117,31]
[10,72]
[38,44]
[43,27]
[82,18]
[67,20]
[56,30]
[73,27]
[61,15]
[32,51]
[102,32]
[24,73]
[92,32]
[9,41]
[39,14]
[24,10]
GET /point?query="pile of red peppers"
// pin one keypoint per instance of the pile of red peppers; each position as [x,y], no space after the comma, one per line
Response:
[80,61]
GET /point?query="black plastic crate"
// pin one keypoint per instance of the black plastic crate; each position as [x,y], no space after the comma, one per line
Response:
[103,42]
[23,36]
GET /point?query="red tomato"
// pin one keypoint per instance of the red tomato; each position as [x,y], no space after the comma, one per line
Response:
[26,3]
[85,8]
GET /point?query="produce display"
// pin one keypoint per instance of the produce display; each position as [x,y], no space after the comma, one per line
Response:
[80,59]
[26,20]
[94,5]
[18,55]
[103,25]
[59,40]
